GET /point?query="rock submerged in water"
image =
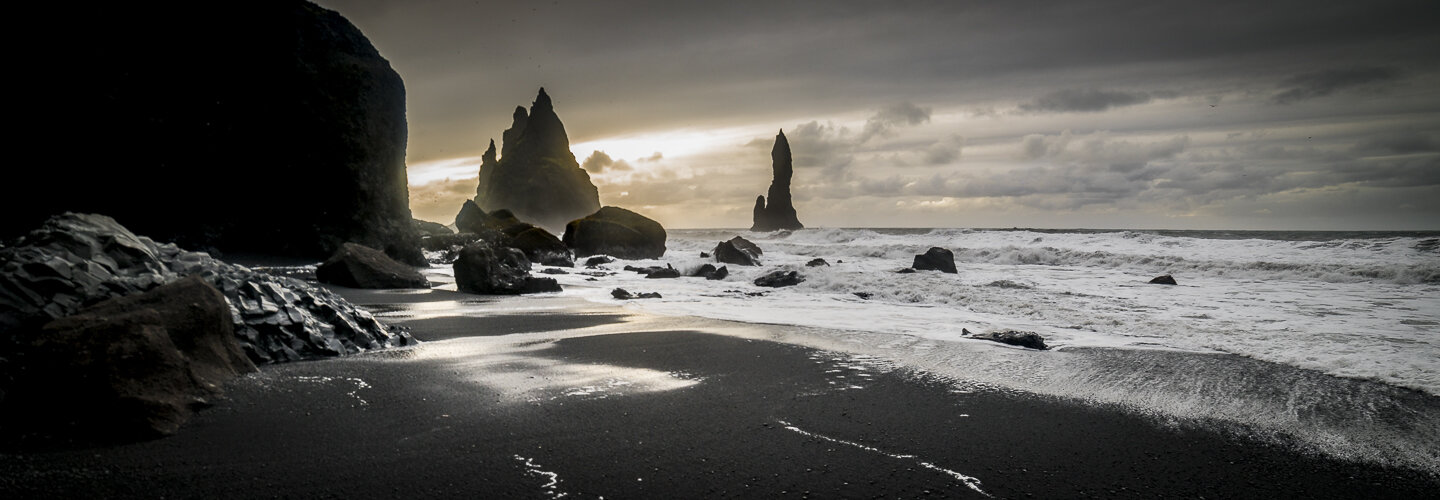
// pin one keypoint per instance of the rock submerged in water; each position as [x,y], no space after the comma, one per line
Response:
[131,367]
[738,251]
[1030,340]
[482,268]
[622,294]
[780,278]
[598,260]
[536,175]
[288,101]
[779,213]
[1164,280]
[359,266]
[616,232]
[935,259]
[78,259]
[709,272]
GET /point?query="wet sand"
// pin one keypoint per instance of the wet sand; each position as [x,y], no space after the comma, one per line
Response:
[543,398]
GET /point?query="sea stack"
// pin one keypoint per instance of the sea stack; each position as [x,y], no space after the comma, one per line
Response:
[536,176]
[779,213]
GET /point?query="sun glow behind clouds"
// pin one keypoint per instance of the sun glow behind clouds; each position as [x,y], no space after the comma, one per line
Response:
[669,144]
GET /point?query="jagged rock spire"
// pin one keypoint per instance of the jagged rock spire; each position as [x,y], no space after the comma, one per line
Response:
[536,177]
[779,213]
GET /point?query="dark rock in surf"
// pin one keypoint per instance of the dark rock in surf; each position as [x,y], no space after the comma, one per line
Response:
[616,232]
[935,259]
[1164,280]
[863,295]
[776,279]
[817,263]
[287,101]
[779,213]
[536,175]
[704,255]
[133,367]
[623,294]
[359,266]
[667,272]
[598,260]
[908,270]
[1030,340]
[490,270]
[719,274]
[738,251]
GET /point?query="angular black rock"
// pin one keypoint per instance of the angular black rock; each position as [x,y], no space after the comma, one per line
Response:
[738,251]
[622,294]
[1164,280]
[359,266]
[935,259]
[776,279]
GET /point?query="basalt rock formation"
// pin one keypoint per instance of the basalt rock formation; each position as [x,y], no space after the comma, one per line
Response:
[359,266]
[536,176]
[739,251]
[249,127]
[935,259]
[779,213]
[76,260]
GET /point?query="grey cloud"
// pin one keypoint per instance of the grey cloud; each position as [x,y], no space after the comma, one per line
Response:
[1088,100]
[1319,84]
[600,162]
[1404,143]
[900,114]
[944,151]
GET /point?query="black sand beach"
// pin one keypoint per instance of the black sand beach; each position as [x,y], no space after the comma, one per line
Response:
[544,398]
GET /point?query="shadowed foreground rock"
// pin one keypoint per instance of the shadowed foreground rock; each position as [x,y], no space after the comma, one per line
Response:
[616,232]
[133,367]
[75,260]
[359,266]
[490,270]
[738,251]
[936,259]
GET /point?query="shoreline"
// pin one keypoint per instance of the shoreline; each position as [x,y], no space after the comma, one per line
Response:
[538,397]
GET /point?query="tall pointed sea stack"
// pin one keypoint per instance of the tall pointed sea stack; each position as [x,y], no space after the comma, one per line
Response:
[779,213]
[536,176]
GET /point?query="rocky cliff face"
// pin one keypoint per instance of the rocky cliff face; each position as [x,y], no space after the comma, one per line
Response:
[250,127]
[779,213]
[536,177]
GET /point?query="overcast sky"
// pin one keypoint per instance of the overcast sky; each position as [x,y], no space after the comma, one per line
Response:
[1100,114]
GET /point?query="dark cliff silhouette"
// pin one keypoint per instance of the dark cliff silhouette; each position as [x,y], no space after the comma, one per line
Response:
[536,176]
[258,127]
[779,213]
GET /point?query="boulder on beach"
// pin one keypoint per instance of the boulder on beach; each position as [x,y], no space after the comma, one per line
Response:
[132,367]
[778,213]
[1164,280]
[1031,340]
[781,278]
[738,251]
[482,268]
[935,259]
[536,176]
[540,246]
[598,260]
[287,101]
[616,232]
[73,260]
[359,266]
[817,262]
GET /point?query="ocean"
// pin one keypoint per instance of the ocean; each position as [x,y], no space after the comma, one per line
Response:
[1326,339]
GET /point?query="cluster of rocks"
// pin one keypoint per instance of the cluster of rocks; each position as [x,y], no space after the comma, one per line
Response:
[623,294]
[487,269]
[503,228]
[75,260]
